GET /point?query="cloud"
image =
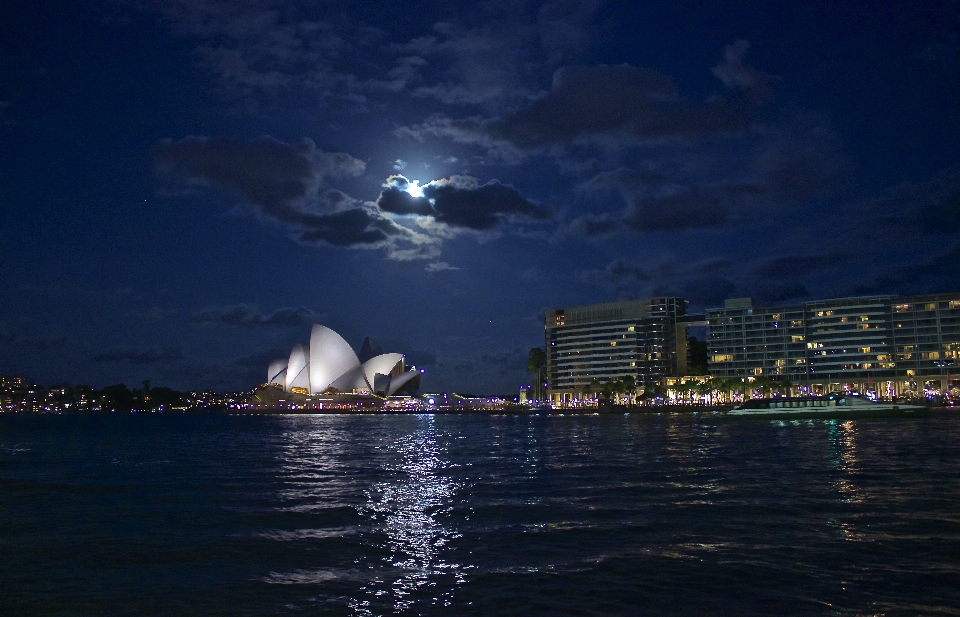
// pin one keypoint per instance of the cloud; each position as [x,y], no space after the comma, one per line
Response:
[399,165]
[137,355]
[617,274]
[249,316]
[708,290]
[285,184]
[793,266]
[460,202]
[605,104]
[440,266]
[682,208]
[734,73]
[264,46]
[269,173]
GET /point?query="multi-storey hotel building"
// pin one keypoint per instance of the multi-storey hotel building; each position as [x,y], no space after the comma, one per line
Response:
[887,343]
[642,338]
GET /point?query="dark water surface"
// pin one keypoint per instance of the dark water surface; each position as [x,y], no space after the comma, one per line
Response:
[478,515]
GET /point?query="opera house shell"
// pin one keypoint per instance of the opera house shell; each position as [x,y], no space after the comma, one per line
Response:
[329,365]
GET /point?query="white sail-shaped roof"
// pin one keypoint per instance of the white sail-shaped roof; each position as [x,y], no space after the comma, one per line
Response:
[382,364]
[277,372]
[354,379]
[381,383]
[298,373]
[397,382]
[331,357]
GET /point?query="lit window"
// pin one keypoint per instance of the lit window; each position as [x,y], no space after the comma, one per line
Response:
[797,338]
[901,308]
[930,355]
[932,306]
[864,350]
[722,357]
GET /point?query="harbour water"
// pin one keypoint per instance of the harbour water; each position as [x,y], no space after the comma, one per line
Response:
[478,515]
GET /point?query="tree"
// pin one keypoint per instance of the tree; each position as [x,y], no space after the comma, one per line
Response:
[537,364]
[592,387]
[704,388]
[629,387]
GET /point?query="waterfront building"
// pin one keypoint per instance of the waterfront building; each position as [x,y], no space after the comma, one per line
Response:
[329,365]
[890,344]
[644,339]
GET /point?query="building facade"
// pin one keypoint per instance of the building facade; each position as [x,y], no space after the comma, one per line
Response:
[886,343]
[641,338]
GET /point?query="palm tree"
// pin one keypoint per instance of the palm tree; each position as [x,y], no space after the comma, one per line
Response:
[702,388]
[783,385]
[536,363]
[629,387]
[592,387]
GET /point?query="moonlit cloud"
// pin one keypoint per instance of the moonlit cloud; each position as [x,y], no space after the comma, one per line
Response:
[459,202]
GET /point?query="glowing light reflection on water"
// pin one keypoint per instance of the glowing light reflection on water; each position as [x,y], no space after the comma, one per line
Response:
[406,515]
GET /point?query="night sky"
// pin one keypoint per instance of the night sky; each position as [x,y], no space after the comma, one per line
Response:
[185,186]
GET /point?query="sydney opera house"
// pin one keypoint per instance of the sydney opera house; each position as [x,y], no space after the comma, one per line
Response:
[329,366]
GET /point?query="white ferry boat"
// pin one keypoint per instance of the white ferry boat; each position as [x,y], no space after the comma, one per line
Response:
[833,406]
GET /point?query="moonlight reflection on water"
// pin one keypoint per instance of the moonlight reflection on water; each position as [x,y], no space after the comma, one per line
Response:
[406,518]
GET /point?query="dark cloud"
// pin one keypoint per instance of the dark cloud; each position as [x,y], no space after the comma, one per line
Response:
[283,183]
[460,202]
[937,270]
[707,291]
[793,266]
[735,74]
[275,176]
[685,208]
[762,177]
[264,46]
[395,198]
[593,225]
[617,274]
[911,209]
[249,316]
[136,355]
[605,103]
